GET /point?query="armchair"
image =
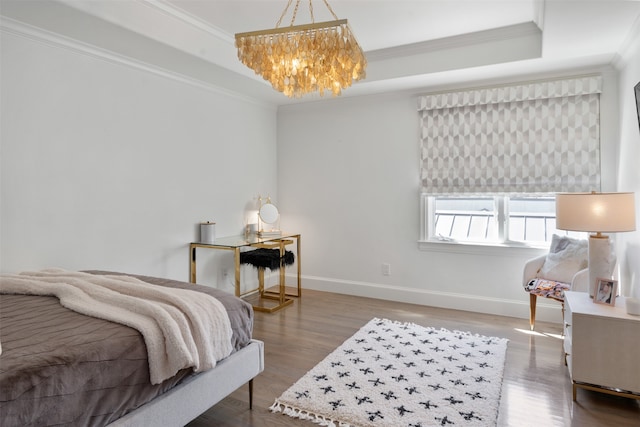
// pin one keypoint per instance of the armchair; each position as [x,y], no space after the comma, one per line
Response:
[550,275]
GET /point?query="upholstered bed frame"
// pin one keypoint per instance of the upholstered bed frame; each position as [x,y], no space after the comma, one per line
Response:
[65,367]
[194,396]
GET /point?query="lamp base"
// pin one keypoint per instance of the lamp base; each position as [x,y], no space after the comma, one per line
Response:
[601,260]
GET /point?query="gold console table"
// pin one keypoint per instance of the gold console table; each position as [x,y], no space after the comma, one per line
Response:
[235,243]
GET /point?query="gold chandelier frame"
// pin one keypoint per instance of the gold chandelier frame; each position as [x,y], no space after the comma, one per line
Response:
[299,59]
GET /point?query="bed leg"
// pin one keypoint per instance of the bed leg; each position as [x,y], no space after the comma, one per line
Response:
[251,393]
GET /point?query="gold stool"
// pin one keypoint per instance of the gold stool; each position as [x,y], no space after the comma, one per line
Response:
[273,256]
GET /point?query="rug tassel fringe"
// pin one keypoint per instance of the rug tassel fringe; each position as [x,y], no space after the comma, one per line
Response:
[305,415]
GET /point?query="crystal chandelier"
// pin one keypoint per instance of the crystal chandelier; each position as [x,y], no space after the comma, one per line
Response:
[304,58]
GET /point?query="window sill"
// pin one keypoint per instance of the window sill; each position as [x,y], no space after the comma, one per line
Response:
[472,248]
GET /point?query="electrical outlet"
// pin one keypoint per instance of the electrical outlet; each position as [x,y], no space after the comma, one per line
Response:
[386,269]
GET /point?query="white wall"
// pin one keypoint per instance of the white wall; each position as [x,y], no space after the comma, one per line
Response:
[629,160]
[349,182]
[107,166]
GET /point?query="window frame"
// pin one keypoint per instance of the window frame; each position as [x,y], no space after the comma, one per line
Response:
[428,242]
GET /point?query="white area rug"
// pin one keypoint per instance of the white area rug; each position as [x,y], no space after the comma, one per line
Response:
[402,374]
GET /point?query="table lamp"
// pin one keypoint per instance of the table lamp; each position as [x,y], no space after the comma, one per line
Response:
[596,213]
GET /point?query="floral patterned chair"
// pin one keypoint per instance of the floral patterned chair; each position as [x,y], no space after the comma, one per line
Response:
[550,275]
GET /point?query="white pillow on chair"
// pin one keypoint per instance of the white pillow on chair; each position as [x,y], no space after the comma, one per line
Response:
[566,257]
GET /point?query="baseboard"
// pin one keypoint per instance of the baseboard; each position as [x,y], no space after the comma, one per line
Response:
[545,312]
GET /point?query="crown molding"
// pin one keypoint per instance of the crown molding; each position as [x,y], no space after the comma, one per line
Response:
[161,6]
[629,46]
[190,19]
[465,40]
[166,23]
[48,38]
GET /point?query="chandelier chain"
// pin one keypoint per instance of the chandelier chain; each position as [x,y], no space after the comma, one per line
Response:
[330,10]
[295,13]
[284,12]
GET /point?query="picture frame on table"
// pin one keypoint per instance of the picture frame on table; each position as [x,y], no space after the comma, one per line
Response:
[606,290]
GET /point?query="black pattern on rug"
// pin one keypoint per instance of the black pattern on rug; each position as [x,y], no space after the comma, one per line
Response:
[402,374]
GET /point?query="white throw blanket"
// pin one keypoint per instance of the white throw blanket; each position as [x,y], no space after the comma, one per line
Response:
[181,328]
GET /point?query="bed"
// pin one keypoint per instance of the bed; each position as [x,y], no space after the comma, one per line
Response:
[61,367]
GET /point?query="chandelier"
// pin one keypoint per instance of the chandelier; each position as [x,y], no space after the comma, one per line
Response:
[300,59]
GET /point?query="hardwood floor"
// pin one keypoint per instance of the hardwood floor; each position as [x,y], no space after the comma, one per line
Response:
[536,388]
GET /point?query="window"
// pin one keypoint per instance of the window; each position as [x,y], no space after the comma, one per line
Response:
[531,219]
[492,158]
[492,219]
[465,219]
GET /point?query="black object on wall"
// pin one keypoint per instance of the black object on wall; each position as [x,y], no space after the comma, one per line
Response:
[637,91]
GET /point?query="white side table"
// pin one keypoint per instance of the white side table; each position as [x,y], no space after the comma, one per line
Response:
[602,346]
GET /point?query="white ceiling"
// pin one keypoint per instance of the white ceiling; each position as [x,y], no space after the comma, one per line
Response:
[409,44]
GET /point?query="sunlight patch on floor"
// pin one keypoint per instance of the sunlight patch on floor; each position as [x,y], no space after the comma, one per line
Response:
[539,334]
[525,406]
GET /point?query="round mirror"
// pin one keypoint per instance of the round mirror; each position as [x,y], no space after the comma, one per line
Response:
[268,213]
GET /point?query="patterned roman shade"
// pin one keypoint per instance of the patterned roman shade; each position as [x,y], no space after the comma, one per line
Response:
[534,138]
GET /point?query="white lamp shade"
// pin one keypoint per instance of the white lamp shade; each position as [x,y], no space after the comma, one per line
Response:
[596,212]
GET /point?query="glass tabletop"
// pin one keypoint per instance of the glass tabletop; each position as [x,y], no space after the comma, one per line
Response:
[242,240]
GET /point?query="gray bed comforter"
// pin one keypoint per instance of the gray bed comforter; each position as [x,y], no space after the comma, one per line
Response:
[59,367]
